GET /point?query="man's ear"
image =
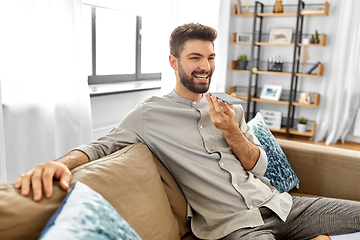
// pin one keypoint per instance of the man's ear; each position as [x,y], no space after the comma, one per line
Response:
[173,62]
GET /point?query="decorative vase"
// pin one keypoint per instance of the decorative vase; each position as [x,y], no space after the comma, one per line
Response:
[239,7]
[301,128]
[278,7]
[242,65]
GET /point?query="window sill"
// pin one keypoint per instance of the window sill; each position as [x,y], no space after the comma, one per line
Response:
[122,87]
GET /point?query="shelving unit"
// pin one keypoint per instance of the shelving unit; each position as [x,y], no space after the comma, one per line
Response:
[304,12]
[256,43]
[322,42]
[319,73]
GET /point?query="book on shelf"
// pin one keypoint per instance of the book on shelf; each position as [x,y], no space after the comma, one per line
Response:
[313,68]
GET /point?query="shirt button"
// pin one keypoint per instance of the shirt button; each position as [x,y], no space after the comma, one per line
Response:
[201,127]
[194,103]
[222,164]
[235,185]
[251,207]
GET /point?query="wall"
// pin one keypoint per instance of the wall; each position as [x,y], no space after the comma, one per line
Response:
[108,110]
[324,24]
[244,25]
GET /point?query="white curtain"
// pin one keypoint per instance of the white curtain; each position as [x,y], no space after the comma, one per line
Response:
[340,99]
[2,145]
[45,96]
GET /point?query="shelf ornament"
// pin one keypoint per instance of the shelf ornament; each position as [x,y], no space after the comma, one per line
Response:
[278,7]
[304,57]
[304,98]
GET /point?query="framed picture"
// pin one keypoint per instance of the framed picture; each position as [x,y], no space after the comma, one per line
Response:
[272,119]
[243,37]
[271,92]
[280,35]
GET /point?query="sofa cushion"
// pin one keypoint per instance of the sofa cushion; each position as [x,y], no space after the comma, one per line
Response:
[177,200]
[85,214]
[279,170]
[21,217]
[128,179]
[324,170]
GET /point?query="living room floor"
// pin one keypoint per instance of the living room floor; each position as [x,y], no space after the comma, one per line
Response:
[339,144]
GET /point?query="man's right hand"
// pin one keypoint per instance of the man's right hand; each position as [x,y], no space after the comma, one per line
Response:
[43,174]
[42,177]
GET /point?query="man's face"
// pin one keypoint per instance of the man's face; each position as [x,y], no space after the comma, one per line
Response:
[196,65]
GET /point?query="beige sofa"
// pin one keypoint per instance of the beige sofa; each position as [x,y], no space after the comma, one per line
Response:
[145,194]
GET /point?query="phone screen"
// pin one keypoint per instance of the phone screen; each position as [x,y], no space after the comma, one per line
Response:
[226,98]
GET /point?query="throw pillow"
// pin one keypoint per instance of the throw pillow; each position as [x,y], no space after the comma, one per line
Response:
[279,170]
[85,214]
[129,180]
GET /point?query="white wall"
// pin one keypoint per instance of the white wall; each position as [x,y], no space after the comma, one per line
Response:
[324,24]
[108,110]
[244,24]
[104,116]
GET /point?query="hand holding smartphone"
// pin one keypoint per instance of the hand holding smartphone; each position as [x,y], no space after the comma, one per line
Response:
[226,98]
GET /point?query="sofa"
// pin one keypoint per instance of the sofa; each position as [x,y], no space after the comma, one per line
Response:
[144,193]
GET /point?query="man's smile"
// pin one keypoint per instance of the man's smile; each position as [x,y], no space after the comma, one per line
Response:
[201,77]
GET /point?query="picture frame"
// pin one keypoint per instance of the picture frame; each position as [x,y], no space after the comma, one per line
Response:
[243,37]
[271,92]
[280,35]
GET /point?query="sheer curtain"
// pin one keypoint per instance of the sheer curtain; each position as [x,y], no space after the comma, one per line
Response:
[340,98]
[2,145]
[46,105]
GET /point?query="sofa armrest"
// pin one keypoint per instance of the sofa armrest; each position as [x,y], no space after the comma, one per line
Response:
[323,170]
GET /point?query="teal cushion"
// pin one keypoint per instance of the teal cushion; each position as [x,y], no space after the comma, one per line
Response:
[85,214]
[279,170]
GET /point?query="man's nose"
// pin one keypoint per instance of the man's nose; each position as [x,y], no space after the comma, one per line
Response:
[205,65]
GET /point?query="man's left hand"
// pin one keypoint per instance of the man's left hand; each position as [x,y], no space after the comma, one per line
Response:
[222,114]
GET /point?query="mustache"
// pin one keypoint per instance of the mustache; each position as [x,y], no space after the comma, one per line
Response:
[201,72]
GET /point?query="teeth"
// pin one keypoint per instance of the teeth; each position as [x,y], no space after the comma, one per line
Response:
[201,76]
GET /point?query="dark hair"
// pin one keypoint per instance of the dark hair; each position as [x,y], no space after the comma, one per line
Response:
[188,32]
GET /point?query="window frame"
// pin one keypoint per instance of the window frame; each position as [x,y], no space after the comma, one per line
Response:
[117,78]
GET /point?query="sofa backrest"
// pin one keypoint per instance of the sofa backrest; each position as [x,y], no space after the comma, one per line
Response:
[128,179]
[324,170]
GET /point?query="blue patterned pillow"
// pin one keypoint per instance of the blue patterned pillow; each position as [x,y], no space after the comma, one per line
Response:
[85,214]
[279,170]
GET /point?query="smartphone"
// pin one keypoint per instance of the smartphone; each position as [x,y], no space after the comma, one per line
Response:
[226,98]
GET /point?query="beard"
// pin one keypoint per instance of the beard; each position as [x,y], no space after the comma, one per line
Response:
[191,84]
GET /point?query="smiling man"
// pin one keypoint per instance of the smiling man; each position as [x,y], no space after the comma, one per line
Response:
[213,155]
[193,61]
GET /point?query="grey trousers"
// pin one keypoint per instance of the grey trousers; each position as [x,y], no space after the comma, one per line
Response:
[308,218]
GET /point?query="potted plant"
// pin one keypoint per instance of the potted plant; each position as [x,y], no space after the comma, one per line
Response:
[301,126]
[317,39]
[242,62]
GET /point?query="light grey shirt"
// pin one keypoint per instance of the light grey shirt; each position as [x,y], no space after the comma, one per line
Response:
[222,196]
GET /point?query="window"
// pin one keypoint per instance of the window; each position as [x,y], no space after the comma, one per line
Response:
[116,47]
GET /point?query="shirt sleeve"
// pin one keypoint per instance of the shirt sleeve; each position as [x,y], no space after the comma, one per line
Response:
[262,162]
[128,131]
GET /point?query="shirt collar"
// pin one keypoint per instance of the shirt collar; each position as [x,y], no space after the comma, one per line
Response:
[193,104]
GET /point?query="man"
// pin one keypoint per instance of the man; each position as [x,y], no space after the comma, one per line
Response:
[211,152]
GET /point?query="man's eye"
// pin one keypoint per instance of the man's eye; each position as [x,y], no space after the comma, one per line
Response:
[211,59]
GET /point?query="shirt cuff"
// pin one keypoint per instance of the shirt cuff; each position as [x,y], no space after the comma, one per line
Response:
[89,151]
[261,164]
